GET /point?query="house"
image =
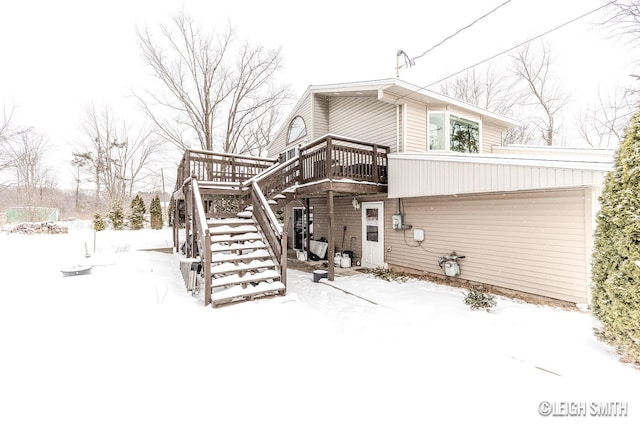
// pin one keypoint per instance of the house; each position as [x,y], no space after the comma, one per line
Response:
[393,175]
[523,217]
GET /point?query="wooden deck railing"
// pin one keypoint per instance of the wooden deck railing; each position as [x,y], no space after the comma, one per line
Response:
[328,157]
[336,157]
[219,167]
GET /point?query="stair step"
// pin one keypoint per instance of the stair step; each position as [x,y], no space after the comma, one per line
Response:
[228,229]
[231,257]
[230,221]
[230,267]
[235,279]
[236,293]
[235,238]
[222,247]
[245,214]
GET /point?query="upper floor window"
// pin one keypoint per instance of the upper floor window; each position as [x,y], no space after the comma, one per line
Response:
[297,129]
[450,132]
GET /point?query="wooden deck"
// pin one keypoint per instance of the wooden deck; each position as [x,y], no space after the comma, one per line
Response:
[218,185]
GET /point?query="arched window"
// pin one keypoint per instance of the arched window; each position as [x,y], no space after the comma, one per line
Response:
[297,129]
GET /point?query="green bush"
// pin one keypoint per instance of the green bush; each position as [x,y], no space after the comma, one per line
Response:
[116,216]
[136,214]
[477,299]
[388,274]
[155,211]
[615,273]
[99,223]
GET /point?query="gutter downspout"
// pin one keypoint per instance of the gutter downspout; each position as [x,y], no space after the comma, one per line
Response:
[397,128]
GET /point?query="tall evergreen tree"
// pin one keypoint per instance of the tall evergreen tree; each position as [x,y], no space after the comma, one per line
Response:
[155,210]
[616,258]
[116,216]
[136,215]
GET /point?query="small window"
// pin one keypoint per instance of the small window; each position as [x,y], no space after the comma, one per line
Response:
[465,135]
[437,132]
[448,132]
[297,129]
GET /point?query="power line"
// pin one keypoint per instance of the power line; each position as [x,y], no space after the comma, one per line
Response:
[510,49]
[458,32]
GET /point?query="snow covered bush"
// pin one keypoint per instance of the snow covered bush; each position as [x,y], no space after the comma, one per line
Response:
[615,269]
[116,216]
[388,274]
[476,299]
[98,222]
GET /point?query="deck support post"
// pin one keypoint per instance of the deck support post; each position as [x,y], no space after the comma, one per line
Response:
[308,235]
[331,248]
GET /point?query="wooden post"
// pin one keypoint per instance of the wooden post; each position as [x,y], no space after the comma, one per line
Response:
[233,169]
[329,160]
[283,260]
[308,234]
[301,176]
[374,166]
[194,224]
[206,267]
[187,214]
[176,225]
[330,249]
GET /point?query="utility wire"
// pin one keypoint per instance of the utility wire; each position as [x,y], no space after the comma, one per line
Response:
[510,49]
[458,32]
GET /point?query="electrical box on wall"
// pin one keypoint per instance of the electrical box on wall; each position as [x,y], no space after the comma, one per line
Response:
[397,221]
[418,235]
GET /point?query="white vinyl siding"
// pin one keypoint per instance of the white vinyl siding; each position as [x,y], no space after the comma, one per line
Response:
[528,242]
[320,116]
[433,174]
[363,118]
[491,137]
[416,128]
[280,143]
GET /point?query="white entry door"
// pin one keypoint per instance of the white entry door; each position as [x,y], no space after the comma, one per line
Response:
[372,234]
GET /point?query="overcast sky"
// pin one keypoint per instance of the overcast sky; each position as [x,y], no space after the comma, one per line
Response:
[58,56]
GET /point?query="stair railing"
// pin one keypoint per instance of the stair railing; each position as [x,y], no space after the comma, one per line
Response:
[272,230]
[259,188]
[201,236]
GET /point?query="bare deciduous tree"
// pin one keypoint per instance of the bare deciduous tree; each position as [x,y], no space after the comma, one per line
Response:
[119,155]
[494,91]
[623,17]
[27,158]
[206,94]
[602,124]
[534,67]
[8,131]
[488,89]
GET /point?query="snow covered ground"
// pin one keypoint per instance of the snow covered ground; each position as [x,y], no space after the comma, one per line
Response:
[127,346]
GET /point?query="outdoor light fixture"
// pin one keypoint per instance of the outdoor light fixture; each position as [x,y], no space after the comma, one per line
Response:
[355,204]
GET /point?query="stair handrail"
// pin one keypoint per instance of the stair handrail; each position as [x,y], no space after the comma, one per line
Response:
[231,155]
[204,239]
[268,172]
[275,225]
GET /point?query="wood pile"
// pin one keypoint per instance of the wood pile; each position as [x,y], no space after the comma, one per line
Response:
[39,228]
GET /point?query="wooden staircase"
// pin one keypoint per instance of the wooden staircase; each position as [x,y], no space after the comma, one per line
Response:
[242,267]
[243,255]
